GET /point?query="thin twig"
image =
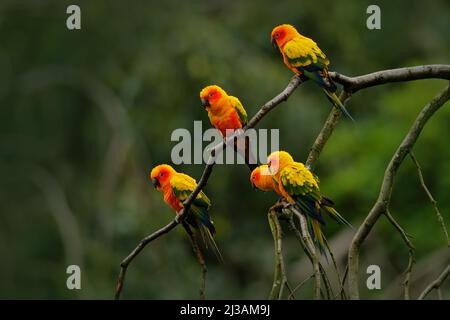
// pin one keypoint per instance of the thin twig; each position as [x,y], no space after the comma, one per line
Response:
[430,196]
[291,295]
[436,284]
[336,268]
[298,287]
[342,284]
[411,250]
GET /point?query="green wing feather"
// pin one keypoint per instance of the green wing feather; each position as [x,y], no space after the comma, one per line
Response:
[237,105]
[182,186]
[300,184]
[303,52]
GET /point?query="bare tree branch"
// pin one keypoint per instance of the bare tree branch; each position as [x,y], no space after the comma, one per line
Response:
[436,284]
[298,287]
[279,279]
[386,189]
[326,132]
[353,84]
[268,106]
[430,196]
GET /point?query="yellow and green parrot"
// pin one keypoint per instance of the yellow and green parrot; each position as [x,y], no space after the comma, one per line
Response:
[176,188]
[299,186]
[303,56]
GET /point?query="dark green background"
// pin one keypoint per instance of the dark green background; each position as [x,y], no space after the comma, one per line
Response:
[85,115]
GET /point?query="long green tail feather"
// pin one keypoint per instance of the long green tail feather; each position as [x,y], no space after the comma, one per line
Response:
[337,102]
[317,235]
[208,239]
[336,216]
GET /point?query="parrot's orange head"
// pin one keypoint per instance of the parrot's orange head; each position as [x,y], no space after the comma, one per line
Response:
[161,175]
[260,178]
[211,95]
[282,34]
[277,160]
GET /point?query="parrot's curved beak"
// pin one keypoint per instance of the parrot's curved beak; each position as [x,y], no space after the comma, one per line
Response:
[205,103]
[274,43]
[155,183]
[254,187]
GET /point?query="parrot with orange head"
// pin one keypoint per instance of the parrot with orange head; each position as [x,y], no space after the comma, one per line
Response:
[303,56]
[226,114]
[176,188]
[299,186]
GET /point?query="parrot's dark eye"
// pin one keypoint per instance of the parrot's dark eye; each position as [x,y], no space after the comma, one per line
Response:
[161,174]
[277,35]
[211,94]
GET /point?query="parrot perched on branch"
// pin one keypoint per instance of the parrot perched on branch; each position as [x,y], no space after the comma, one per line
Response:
[302,55]
[266,182]
[227,113]
[176,188]
[299,186]
[224,111]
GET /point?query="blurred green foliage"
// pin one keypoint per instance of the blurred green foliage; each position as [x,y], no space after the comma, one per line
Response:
[86,114]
